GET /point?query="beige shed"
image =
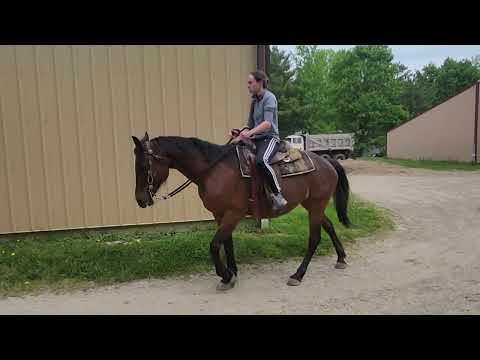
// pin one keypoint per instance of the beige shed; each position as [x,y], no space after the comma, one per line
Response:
[449,131]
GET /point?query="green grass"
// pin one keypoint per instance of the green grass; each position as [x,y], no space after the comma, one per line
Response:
[430,164]
[60,262]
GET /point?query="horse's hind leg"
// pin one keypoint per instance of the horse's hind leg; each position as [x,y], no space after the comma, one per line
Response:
[315,214]
[328,227]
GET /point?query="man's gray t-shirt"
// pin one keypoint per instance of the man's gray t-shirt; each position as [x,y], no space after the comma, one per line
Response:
[265,109]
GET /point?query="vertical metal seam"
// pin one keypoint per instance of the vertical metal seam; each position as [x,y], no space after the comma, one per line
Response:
[145,90]
[129,110]
[153,213]
[24,150]
[42,139]
[195,104]
[241,77]
[114,132]
[62,165]
[244,72]
[227,87]
[7,173]
[128,91]
[180,113]
[195,97]
[164,114]
[210,84]
[77,125]
[97,143]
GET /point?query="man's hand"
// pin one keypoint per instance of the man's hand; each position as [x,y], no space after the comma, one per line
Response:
[245,133]
[248,133]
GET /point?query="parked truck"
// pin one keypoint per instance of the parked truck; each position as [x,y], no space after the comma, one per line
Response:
[337,146]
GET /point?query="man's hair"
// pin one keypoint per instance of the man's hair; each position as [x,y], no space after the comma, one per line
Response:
[259,75]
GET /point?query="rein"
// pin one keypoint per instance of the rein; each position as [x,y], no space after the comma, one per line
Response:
[150,154]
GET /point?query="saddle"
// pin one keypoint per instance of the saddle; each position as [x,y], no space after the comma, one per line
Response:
[287,161]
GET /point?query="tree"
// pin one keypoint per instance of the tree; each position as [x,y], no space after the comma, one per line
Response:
[367,89]
[418,93]
[433,85]
[454,76]
[291,111]
[476,61]
[315,87]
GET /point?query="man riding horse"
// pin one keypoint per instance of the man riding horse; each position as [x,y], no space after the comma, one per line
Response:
[216,170]
[262,129]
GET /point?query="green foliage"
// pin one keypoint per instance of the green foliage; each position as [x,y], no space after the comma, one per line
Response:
[367,89]
[315,87]
[433,85]
[291,111]
[360,90]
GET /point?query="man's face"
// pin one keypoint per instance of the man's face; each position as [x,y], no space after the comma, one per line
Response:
[254,86]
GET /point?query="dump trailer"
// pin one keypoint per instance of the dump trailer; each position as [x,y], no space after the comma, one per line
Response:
[337,146]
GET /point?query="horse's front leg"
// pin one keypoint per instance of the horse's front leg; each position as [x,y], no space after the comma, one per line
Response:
[223,236]
[229,253]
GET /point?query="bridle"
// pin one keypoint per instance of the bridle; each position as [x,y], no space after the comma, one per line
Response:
[150,155]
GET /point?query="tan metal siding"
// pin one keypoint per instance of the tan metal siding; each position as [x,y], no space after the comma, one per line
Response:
[443,133]
[67,114]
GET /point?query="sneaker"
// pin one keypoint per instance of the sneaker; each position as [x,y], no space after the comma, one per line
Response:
[278,201]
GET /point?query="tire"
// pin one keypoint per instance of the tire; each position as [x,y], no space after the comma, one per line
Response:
[340,157]
[326,156]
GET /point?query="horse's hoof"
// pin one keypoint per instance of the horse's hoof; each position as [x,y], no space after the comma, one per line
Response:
[340,265]
[293,282]
[224,287]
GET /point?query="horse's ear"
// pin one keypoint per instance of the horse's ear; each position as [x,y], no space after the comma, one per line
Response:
[137,142]
[147,138]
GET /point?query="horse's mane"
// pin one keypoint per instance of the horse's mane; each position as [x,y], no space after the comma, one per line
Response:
[188,145]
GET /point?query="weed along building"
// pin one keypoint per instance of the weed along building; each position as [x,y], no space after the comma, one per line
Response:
[67,114]
[449,131]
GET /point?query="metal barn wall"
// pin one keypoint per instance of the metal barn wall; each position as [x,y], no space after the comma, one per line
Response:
[67,114]
[445,132]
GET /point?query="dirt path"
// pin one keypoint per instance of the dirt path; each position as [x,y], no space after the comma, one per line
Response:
[429,265]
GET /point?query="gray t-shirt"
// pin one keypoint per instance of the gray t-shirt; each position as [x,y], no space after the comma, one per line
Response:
[265,109]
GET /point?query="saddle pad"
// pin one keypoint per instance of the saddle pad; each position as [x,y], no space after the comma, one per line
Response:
[290,166]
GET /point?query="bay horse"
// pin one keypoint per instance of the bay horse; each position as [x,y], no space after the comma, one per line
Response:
[215,170]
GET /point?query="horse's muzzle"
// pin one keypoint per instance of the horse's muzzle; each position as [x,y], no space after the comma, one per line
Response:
[145,201]
[142,204]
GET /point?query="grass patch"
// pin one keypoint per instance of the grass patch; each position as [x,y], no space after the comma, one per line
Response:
[430,164]
[60,262]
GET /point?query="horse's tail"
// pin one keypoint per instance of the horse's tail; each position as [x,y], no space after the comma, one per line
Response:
[342,193]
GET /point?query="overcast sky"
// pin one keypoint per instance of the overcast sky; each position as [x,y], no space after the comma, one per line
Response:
[417,56]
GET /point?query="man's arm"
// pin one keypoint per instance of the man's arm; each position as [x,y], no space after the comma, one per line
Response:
[264,126]
[250,122]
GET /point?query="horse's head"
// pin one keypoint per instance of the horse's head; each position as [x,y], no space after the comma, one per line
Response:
[151,170]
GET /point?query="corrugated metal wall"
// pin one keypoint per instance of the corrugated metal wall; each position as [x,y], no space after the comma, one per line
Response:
[67,114]
[445,132]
